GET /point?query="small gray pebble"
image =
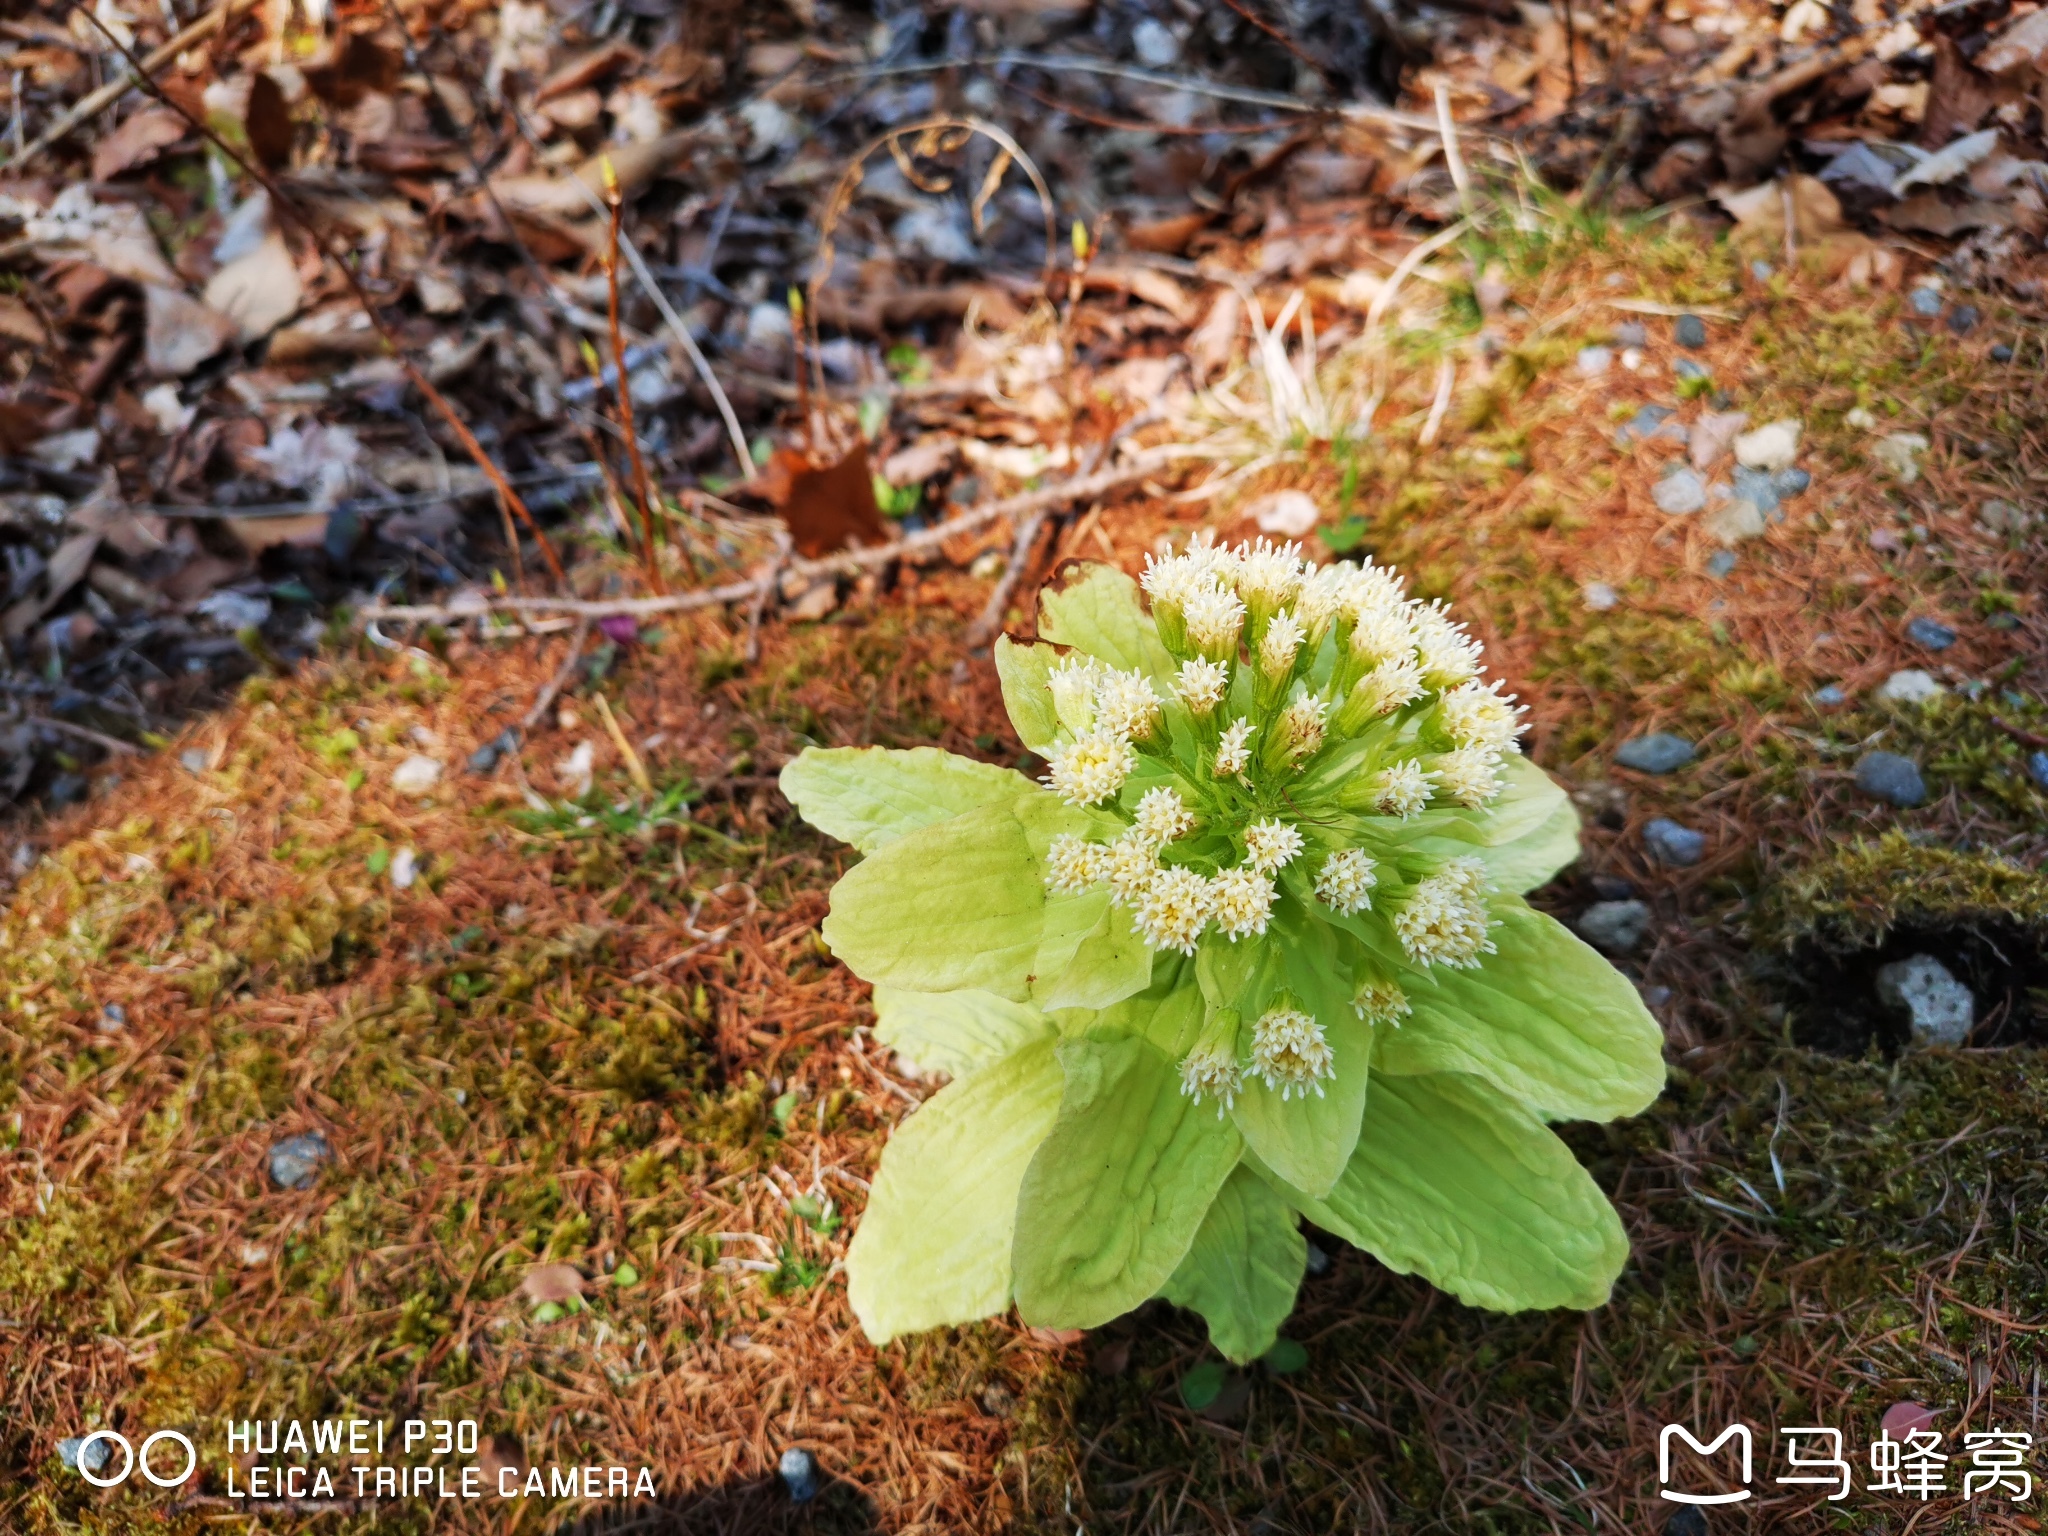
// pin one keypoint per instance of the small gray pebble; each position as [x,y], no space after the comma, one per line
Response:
[1720,563]
[1631,333]
[1930,634]
[2001,353]
[1761,271]
[1679,492]
[296,1161]
[1674,845]
[67,789]
[1925,301]
[1686,368]
[192,760]
[1615,926]
[96,1458]
[1318,1261]
[1687,1520]
[799,1472]
[1830,696]
[1659,752]
[1963,319]
[1691,331]
[1891,778]
[486,757]
[1612,888]
[1594,361]
[1599,596]
[1756,487]
[1790,482]
[1646,422]
[113,1019]
[2037,770]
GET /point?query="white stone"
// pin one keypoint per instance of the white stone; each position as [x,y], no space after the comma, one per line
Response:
[1770,448]
[417,775]
[1899,453]
[1941,1008]
[1911,686]
[1284,514]
[1599,596]
[405,868]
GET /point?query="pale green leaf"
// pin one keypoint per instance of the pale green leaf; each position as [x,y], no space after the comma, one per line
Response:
[1168,1013]
[955,1032]
[1109,964]
[1244,1268]
[869,797]
[1022,670]
[1116,1193]
[1307,1141]
[1461,1185]
[934,1245]
[1098,610]
[1525,836]
[954,905]
[1544,1019]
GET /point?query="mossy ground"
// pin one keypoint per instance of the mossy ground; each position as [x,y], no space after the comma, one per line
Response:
[609,1035]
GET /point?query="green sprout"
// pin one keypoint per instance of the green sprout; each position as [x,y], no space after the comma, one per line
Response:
[1254,951]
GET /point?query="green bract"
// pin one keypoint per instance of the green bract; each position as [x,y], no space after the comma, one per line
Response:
[1254,951]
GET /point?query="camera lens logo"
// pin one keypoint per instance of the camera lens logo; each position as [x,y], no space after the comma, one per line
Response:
[97,1449]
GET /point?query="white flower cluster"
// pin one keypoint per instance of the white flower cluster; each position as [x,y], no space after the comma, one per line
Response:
[1276,661]
[1290,1053]
[1103,711]
[1444,920]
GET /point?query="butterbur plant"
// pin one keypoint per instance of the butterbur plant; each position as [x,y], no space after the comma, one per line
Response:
[1253,950]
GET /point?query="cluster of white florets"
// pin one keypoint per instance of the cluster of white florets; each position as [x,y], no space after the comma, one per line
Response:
[1290,1054]
[1102,712]
[1444,919]
[1277,661]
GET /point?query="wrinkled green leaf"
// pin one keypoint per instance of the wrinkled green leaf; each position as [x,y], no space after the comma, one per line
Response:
[869,797]
[1545,1020]
[934,1244]
[1524,837]
[1110,963]
[1461,1185]
[1244,1268]
[955,1032]
[957,904]
[1116,1193]
[1098,611]
[1308,1141]
[1022,670]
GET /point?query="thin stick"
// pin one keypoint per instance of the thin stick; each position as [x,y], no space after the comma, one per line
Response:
[985,627]
[1571,50]
[1447,130]
[86,733]
[96,102]
[847,561]
[623,389]
[284,204]
[767,589]
[558,682]
[734,434]
[1446,376]
[635,769]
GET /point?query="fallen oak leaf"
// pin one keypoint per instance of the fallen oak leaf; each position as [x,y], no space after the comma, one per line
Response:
[139,140]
